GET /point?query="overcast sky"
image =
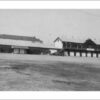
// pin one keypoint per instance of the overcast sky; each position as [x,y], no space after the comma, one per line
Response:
[49,24]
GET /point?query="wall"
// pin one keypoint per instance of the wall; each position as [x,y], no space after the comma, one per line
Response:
[58,44]
[5,49]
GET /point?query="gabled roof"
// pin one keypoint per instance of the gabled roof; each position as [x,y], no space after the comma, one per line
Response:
[15,37]
[58,38]
[78,41]
[90,42]
[23,43]
[68,40]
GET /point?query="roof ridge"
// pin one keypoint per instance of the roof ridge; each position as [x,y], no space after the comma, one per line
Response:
[20,37]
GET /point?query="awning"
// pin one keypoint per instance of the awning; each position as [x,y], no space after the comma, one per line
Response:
[20,47]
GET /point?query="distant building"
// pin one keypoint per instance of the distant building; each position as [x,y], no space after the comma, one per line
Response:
[87,48]
[17,44]
[23,45]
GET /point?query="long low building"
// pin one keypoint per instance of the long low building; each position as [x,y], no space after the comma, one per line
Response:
[88,48]
[23,45]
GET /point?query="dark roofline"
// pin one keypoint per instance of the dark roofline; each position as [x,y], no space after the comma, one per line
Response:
[76,42]
[57,39]
[18,37]
[71,42]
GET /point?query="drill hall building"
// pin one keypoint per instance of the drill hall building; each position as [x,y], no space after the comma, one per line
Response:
[86,49]
[23,45]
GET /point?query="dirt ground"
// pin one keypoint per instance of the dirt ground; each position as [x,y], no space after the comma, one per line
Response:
[48,73]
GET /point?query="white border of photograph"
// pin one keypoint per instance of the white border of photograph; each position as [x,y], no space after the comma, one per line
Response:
[50,95]
[49,5]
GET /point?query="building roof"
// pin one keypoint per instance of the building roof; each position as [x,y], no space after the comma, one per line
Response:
[78,41]
[24,43]
[64,39]
[90,41]
[24,38]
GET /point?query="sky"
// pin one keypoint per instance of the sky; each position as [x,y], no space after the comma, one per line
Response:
[47,24]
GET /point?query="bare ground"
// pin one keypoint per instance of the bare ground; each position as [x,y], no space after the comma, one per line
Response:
[45,73]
